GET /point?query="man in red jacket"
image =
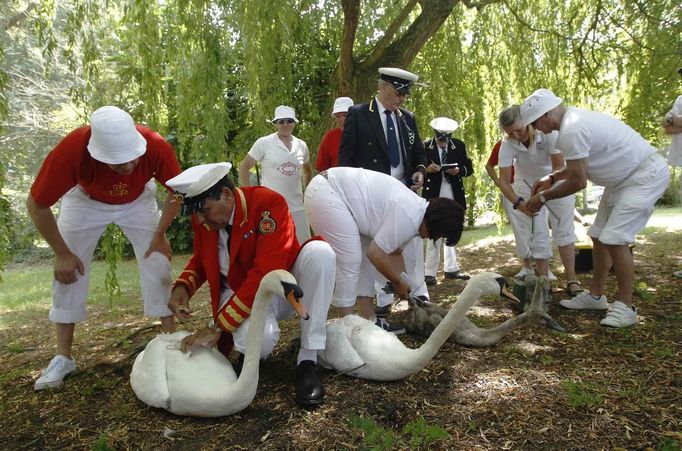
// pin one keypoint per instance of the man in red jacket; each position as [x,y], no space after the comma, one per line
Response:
[241,234]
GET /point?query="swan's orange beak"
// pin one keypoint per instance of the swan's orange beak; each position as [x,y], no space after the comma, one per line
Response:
[294,294]
[504,292]
[509,295]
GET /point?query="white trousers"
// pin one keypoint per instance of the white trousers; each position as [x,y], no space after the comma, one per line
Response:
[314,271]
[355,274]
[302,227]
[625,209]
[531,234]
[433,257]
[563,227]
[81,223]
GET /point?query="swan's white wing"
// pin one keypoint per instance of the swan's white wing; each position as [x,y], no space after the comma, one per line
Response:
[148,376]
[199,382]
[339,354]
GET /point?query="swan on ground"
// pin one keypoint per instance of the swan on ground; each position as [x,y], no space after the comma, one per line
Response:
[424,319]
[201,382]
[357,347]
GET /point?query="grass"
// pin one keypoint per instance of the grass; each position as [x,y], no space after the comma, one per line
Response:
[29,287]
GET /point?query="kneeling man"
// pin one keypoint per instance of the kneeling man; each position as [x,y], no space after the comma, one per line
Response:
[241,234]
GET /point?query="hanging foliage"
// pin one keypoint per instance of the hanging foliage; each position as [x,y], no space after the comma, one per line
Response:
[208,74]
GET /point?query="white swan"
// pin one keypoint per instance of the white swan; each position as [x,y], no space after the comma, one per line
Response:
[357,347]
[202,382]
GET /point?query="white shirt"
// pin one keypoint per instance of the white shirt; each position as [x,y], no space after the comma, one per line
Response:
[399,171]
[675,151]
[383,208]
[532,163]
[613,150]
[282,168]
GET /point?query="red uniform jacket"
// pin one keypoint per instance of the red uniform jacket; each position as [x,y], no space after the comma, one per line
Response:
[263,238]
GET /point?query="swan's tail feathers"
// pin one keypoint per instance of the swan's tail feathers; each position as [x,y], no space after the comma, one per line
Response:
[294,293]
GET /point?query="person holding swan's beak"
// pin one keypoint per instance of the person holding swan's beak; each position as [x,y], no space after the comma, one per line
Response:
[369,218]
[241,234]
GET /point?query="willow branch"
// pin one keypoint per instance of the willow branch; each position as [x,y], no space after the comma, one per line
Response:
[393,28]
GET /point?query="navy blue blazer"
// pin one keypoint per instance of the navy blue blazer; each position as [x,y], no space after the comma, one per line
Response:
[363,143]
[457,153]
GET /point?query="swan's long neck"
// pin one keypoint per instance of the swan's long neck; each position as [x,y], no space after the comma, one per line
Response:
[440,335]
[244,389]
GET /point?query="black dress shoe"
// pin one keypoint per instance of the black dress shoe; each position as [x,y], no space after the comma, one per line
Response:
[309,389]
[382,312]
[457,275]
[430,280]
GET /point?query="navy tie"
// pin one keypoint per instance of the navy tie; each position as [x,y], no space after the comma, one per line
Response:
[393,149]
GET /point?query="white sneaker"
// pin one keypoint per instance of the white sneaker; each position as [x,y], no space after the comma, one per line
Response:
[620,315]
[54,374]
[524,272]
[551,276]
[585,301]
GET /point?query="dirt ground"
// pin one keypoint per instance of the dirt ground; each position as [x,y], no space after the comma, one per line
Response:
[591,388]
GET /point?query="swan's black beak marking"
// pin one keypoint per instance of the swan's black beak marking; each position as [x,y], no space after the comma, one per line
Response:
[504,292]
[294,294]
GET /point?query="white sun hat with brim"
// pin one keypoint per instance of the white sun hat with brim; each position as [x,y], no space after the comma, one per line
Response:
[400,79]
[114,138]
[284,112]
[194,185]
[443,126]
[341,105]
[537,104]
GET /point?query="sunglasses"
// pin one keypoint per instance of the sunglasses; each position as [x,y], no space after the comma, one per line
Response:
[285,121]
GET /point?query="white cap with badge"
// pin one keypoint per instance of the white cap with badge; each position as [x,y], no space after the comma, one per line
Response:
[443,126]
[194,185]
[400,79]
[537,104]
[114,139]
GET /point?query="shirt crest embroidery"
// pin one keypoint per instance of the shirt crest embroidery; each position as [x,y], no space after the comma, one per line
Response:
[266,225]
[288,168]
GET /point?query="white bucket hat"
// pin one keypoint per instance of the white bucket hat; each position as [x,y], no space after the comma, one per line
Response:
[341,105]
[284,112]
[537,104]
[114,138]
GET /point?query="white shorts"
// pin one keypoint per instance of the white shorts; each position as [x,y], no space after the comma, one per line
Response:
[625,209]
[81,223]
[314,271]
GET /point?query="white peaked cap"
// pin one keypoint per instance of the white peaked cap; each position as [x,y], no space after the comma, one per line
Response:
[197,179]
[444,125]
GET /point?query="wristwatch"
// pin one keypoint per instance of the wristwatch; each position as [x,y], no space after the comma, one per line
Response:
[541,196]
[669,119]
[214,326]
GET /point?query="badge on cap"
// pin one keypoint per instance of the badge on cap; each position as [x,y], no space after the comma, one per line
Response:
[266,225]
